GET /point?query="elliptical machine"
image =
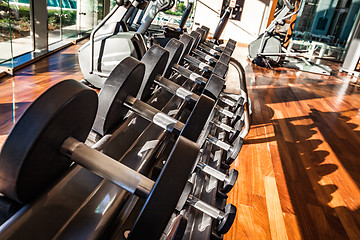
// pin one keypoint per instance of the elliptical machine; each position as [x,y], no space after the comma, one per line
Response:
[109,43]
[268,49]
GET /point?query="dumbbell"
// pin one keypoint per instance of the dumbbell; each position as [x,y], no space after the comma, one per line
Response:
[220,67]
[175,48]
[153,59]
[215,92]
[115,100]
[212,44]
[225,217]
[33,158]
[209,54]
[228,49]
[187,95]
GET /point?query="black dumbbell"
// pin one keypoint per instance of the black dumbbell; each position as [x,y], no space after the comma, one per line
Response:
[205,52]
[220,67]
[225,218]
[210,44]
[115,101]
[228,49]
[215,92]
[153,59]
[176,49]
[187,95]
[33,158]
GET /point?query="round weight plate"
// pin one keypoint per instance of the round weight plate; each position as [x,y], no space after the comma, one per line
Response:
[187,40]
[155,60]
[224,58]
[125,80]
[167,189]
[214,86]
[197,39]
[237,144]
[237,127]
[30,160]
[202,33]
[220,69]
[228,185]
[230,214]
[198,118]
[206,30]
[175,48]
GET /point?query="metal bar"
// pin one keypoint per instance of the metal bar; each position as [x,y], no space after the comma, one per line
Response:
[154,115]
[211,171]
[175,89]
[205,208]
[107,167]
[189,74]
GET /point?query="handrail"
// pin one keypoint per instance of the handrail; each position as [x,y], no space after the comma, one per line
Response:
[102,23]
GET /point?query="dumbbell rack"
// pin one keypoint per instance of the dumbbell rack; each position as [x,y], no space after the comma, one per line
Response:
[83,205]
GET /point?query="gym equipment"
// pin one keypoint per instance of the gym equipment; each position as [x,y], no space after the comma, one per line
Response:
[352,57]
[213,43]
[117,97]
[220,67]
[99,56]
[192,97]
[51,145]
[225,218]
[115,100]
[203,82]
[176,49]
[268,51]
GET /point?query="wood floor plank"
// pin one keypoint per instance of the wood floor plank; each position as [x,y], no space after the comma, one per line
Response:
[276,219]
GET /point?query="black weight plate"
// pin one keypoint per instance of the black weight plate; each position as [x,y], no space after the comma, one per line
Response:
[214,86]
[233,42]
[226,223]
[228,185]
[231,156]
[155,60]
[202,33]
[197,38]
[125,80]
[175,48]
[228,51]
[198,118]
[187,40]
[207,30]
[30,160]
[220,69]
[165,194]
[184,196]
[224,58]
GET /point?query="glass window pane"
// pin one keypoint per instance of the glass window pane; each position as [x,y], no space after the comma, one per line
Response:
[5,42]
[69,12]
[20,26]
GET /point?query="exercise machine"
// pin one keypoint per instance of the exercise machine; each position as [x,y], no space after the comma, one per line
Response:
[268,49]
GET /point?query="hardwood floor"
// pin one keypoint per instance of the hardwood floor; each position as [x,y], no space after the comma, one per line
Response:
[17,92]
[299,169]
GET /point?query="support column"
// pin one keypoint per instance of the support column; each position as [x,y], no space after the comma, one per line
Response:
[39,24]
